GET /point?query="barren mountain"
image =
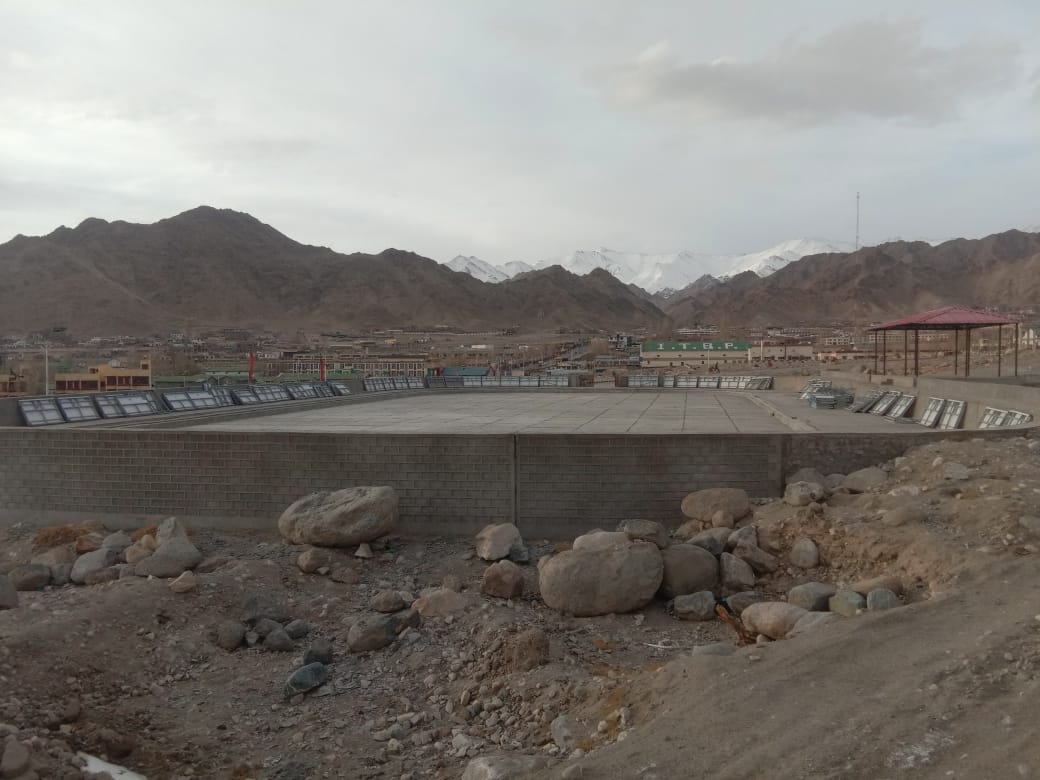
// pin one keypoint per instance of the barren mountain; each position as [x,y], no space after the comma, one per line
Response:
[878,282]
[209,267]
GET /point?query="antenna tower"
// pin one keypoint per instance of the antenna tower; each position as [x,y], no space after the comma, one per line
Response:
[857,220]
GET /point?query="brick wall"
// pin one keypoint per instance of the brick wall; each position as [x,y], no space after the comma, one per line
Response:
[552,485]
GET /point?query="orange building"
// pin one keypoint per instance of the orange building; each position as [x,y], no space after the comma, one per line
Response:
[105,378]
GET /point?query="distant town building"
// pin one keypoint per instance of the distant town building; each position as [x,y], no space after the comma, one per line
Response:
[105,378]
[691,354]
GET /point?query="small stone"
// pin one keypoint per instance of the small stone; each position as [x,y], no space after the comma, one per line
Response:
[265,626]
[346,575]
[772,618]
[562,730]
[847,603]
[279,641]
[804,493]
[61,573]
[314,558]
[320,651]
[174,554]
[757,558]
[647,531]
[495,541]
[903,515]
[882,598]
[695,606]
[185,583]
[714,540]
[306,678]
[117,541]
[804,554]
[735,574]
[746,535]
[30,576]
[378,631]
[504,767]
[257,607]
[364,550]
[91,562]
[813,596]
[229,635]
[15,759]
[297,629]
[956,471]
[387,601]
[503,580]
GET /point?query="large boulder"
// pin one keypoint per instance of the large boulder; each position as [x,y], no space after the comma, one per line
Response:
[174,555]
[688,568]
[703,504]
[813,596]
[772,618]
[695,606]
[736,575]
[504,580]
[804,554]
[601,540]
[864,480]
[30,576]
[806,475]
[759,560]
[600,582]
[92,562]
[647,531]
[341,518]
[498,541]
[804,493]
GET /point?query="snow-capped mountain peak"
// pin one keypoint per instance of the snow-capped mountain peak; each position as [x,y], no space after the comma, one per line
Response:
[657,272]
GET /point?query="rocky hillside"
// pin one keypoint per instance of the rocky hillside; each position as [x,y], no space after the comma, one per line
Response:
[874,283]
[209,267]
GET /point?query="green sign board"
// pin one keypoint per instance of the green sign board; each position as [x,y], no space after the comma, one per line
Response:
[695,346]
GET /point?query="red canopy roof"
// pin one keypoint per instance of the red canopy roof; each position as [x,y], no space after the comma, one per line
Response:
[948,318]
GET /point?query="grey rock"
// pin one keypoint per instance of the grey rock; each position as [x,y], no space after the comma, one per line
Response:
[772,618]
[646,531]
[563,729]
[341,518]
[811,621]
[834,481]
[364,551]
[174,555]
[759,560]
[30,576]
[957,472]
[738,602]
[387,601]
[804,493]
[713,539]
[804,554]
[297,629]
[864,480]
[703,504]
[320,650]
[229,635]
[735,574]
[314,558]
[8,595]
[15,759]
[601,540]
[905,514]
[503,767]
[61,573]
[746,535]
[279,641]
[117,541]
[306,678]
[695,606]
[813,596]
[377,631]
[494,542]
[265,626]
[1031,523]
[688,568]
[260,606]
[91,562]
[806,475]
[846,602]
[599,582]
[882,598]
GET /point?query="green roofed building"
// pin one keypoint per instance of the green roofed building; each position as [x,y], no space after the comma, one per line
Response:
[692,354]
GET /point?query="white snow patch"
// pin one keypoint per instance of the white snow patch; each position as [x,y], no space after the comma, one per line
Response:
[95,764]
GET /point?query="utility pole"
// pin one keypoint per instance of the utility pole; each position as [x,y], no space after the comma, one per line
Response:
[857,220]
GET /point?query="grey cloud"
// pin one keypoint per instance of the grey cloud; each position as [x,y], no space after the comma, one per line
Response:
[880,69]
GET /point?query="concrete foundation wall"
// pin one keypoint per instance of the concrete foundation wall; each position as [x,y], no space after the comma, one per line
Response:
[550,485]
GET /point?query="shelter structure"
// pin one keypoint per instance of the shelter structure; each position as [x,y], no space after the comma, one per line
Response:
[950,318]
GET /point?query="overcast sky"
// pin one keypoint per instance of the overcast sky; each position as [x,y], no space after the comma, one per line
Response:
[525,130]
